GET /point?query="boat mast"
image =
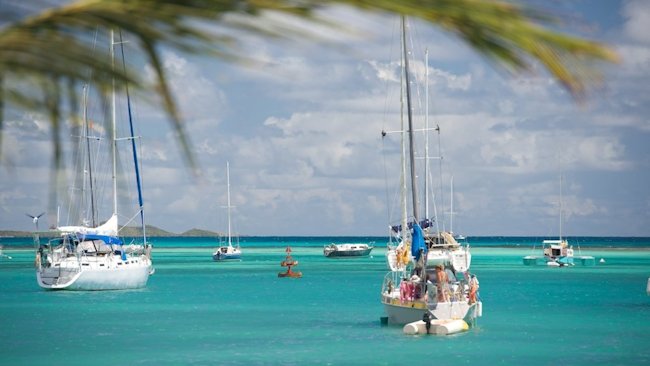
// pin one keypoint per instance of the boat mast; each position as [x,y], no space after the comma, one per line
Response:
[414,193]
[113,125]
[135,151]
[426,134]
[228,183]
[404,230]
[561,207]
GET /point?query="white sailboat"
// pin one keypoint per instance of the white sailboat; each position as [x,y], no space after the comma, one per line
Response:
[227,251]
[92,258]
[558,252]
[428,276]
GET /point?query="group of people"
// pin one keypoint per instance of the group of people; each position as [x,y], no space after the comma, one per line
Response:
[413,288]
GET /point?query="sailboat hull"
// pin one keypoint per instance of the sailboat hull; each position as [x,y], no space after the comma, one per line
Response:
[411,311]
[226,253]
[97,275]
[225,257]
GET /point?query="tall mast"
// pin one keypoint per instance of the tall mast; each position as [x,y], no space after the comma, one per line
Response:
[135,151]
[426,134]
[228,181]
[414,192]
[561,207]
[113,125]
[403,155]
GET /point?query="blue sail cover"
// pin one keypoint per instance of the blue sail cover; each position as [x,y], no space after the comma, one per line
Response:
[418,242]
[105,238]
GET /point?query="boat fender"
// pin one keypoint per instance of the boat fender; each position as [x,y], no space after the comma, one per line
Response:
[451,327]
[412,328]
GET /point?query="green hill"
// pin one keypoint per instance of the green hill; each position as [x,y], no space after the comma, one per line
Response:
[200,232]
[152,231]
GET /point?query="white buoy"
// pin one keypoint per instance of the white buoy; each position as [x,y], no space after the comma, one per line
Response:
[602,260]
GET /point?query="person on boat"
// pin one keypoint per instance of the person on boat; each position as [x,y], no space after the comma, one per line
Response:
[404,290]
[416,288]
[473,289]
[403,255]
[441,283]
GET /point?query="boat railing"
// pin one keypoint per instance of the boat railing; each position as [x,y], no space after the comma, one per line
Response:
[391,282]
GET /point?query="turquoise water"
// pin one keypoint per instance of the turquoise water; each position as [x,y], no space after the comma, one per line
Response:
[196,311]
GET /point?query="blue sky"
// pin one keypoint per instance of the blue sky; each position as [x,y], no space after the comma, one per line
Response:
[301,129]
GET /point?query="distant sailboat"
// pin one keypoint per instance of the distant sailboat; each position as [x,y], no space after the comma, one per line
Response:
[2,255]
[558,252]
[227,252]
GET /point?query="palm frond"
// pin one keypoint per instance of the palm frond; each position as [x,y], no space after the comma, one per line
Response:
[41,51]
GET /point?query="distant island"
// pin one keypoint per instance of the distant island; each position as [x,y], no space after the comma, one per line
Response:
[152,231]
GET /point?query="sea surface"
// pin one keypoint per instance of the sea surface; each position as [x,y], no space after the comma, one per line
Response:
[198,312]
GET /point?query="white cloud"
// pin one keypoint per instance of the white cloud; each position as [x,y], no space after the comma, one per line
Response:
[599,152]
[197,95]
[385,71]
[637,14]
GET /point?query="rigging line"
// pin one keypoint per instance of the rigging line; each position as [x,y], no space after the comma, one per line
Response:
[90,167]
[383,158]
[389,206]
[129,220]
[442,200]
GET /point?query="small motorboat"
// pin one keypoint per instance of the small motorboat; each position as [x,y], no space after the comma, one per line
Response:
[347,250]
